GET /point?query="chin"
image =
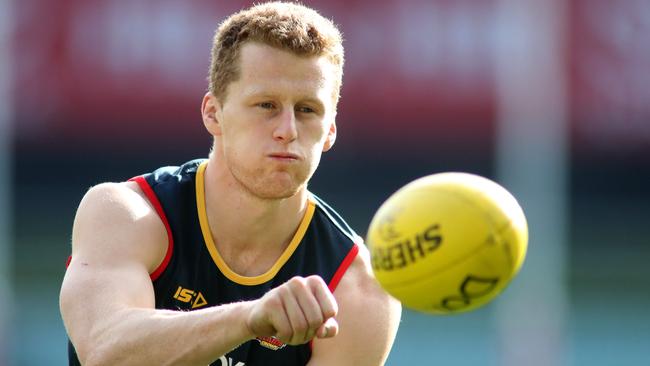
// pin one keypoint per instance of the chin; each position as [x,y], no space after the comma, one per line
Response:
[274,193]
[277,185]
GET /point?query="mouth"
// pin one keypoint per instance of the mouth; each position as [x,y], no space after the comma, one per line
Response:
[283,156]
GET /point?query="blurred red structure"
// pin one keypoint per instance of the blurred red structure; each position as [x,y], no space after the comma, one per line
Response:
[415,68]
[610,82]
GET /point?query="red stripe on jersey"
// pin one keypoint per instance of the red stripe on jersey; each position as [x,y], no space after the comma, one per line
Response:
[151,195]
[343,267]
[67,262]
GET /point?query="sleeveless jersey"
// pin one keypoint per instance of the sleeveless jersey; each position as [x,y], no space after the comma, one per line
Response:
[194,276]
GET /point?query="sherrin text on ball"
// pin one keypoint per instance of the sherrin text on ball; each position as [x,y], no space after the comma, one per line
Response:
[448,242]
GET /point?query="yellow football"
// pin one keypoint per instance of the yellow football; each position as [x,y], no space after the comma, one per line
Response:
[448,242]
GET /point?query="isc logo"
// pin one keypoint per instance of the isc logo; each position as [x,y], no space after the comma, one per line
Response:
[190,296]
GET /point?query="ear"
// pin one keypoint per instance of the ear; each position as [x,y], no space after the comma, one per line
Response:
[211,112]
[331,137]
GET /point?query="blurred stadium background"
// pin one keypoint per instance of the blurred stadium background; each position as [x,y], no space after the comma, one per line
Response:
[550,98]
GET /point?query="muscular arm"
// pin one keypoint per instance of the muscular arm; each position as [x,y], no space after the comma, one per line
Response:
[368,320]
[107,298]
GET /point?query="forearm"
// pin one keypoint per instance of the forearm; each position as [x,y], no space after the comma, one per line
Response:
[163,337]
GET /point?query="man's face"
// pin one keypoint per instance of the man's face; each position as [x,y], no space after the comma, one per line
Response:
[276,120]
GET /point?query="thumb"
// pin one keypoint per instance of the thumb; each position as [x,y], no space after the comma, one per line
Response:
[329,329]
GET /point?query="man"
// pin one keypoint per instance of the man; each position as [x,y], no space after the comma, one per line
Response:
[271,274]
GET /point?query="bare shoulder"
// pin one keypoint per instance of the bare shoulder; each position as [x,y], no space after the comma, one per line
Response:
[117,240]
[359,283]
[368,320]
[116,222]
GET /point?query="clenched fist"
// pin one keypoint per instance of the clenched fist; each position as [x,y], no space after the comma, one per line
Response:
[295,311]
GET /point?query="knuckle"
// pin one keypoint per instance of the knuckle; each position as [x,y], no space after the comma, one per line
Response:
[274,302]
[297,283]
[296,279]
[282,293]
[315,280]
[282,290]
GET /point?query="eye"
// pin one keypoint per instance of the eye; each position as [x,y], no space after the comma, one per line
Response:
[305,109]
[266,105]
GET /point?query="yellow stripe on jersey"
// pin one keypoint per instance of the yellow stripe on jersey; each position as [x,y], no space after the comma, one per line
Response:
[221,264]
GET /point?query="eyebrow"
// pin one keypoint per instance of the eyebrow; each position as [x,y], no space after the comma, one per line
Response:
[255,92]
[316,102]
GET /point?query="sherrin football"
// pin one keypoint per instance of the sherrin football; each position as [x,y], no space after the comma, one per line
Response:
[448,242]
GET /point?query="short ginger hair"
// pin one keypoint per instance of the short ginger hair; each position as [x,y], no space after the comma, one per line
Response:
[287,26]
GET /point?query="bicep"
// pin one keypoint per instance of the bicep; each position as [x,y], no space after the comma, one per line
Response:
[90,294]
[368,321]
[114,244]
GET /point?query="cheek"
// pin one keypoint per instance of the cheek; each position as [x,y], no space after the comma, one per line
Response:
[317,133]
[238,151]
[232,148]
[238,139]
[316,152]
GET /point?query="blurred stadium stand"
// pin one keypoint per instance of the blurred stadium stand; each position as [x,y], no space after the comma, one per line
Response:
[105,90]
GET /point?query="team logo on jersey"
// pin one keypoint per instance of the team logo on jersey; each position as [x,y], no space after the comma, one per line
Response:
[190,296]
[270,343]
[230,362]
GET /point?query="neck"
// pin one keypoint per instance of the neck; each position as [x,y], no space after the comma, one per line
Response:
[240,221]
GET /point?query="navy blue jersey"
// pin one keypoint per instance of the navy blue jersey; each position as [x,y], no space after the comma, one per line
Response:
[194,276]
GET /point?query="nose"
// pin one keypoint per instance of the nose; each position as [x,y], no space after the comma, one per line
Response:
[285,129]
